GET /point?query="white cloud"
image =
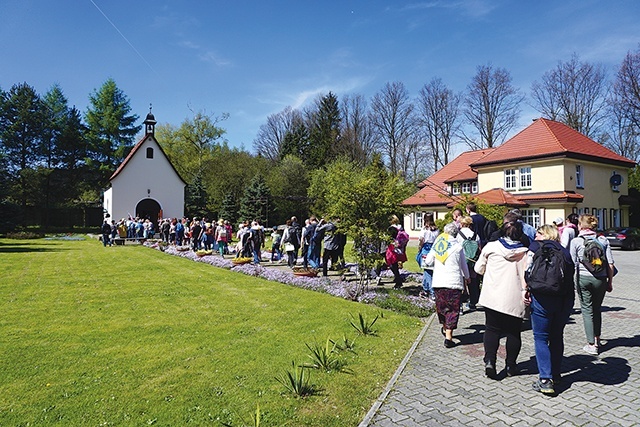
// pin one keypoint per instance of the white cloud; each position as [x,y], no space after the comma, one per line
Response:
[214,58]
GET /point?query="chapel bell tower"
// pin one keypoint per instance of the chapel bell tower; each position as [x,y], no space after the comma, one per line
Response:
[149,123]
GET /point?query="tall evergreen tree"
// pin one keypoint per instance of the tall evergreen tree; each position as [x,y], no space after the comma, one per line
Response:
[255,202]
[196,198]
[56,112]
[229,208]
[111,127]
[21,121]
[324,131]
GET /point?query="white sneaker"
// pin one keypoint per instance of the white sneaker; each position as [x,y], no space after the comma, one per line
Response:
[591,349]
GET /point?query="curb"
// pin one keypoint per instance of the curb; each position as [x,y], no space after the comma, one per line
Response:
[380,400]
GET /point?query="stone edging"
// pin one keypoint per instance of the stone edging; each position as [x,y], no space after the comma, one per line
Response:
[376,405]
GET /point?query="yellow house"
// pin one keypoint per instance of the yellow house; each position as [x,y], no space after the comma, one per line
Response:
[548,170]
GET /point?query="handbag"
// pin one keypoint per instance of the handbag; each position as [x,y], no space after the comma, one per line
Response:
[288,247]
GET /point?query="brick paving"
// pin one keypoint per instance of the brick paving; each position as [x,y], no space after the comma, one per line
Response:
[436,386]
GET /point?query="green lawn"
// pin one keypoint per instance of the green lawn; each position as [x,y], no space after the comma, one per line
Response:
[131,336]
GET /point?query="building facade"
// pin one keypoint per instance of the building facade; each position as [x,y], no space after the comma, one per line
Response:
[548,170]
[146,184]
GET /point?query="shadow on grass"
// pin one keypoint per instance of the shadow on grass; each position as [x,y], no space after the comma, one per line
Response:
[24,247]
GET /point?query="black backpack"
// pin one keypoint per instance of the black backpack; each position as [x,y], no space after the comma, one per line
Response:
[594,257]
[550,273]
[490,227]
[294,235]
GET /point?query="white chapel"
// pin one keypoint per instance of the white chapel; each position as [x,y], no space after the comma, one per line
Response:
[146,184]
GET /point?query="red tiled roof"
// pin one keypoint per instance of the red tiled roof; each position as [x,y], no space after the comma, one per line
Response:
[434,191]
[553,196]
[547,138]
[499,197]
[466,175]
[133,152]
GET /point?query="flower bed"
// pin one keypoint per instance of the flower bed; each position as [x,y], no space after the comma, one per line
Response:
[340,288]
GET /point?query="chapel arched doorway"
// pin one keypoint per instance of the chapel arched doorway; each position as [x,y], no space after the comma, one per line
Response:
[148,209]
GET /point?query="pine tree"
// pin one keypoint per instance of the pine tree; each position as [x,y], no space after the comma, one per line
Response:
[196,198]
[256,201]
[324,132]
[21,124]
[229,208]
[111,128]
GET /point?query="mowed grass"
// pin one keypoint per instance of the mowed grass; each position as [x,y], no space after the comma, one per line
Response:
[131,336]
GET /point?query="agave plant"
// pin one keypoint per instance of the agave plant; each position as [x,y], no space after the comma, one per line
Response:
[364,326]
[345,344]
[296,381]
[325,357]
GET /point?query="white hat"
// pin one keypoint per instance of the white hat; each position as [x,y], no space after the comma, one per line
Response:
[559,221]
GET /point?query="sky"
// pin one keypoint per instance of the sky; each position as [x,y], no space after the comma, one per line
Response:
[251,59]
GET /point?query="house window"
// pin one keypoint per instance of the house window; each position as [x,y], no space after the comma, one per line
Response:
[466,187]
[525,177]
[417,221]
[456,188]
[149,153]
[474,187]
[510,179]
[579,177]
[615,218]
[531,217]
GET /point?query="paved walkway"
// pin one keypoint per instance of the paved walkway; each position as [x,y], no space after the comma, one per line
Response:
[447,387]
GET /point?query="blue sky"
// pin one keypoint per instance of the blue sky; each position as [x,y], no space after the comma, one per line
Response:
[251,59]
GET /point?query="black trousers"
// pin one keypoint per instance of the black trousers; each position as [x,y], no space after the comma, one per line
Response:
[496,325]
[326,256]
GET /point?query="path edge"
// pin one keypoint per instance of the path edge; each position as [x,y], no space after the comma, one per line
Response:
[381,398]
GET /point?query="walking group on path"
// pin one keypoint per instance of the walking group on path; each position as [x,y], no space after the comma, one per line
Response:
[529,279]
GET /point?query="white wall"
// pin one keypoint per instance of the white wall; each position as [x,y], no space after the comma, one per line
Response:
[147,178]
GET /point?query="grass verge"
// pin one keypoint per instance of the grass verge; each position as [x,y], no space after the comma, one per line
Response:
[130,336]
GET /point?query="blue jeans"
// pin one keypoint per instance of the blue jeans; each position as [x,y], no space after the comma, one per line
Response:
[314,255]
[427,279]
[549,315]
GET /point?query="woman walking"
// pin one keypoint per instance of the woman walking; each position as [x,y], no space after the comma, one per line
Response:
[551,303]
[450,276]
[591,286]
[428,235]
[503,295]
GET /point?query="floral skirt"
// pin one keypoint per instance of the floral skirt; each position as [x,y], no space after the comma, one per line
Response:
[448,306]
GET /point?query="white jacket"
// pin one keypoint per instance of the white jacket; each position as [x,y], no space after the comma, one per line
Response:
[452,273]
[503,268]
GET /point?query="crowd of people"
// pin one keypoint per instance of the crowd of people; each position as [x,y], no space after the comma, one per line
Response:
[512,271]
[320,243]
[516,271]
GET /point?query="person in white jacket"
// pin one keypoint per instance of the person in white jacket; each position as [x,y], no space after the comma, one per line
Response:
[450,276]
[503,264]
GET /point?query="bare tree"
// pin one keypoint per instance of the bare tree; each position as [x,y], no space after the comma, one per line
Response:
[626,88]
[621,135]
[573,93]
[268,142]
[624,102]
[492,106]
[439,111]
[393,120]
[358,142]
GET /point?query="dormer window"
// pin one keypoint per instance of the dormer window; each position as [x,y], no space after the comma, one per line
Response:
[456,188]
[149,153]
[474,187]
[466,187]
